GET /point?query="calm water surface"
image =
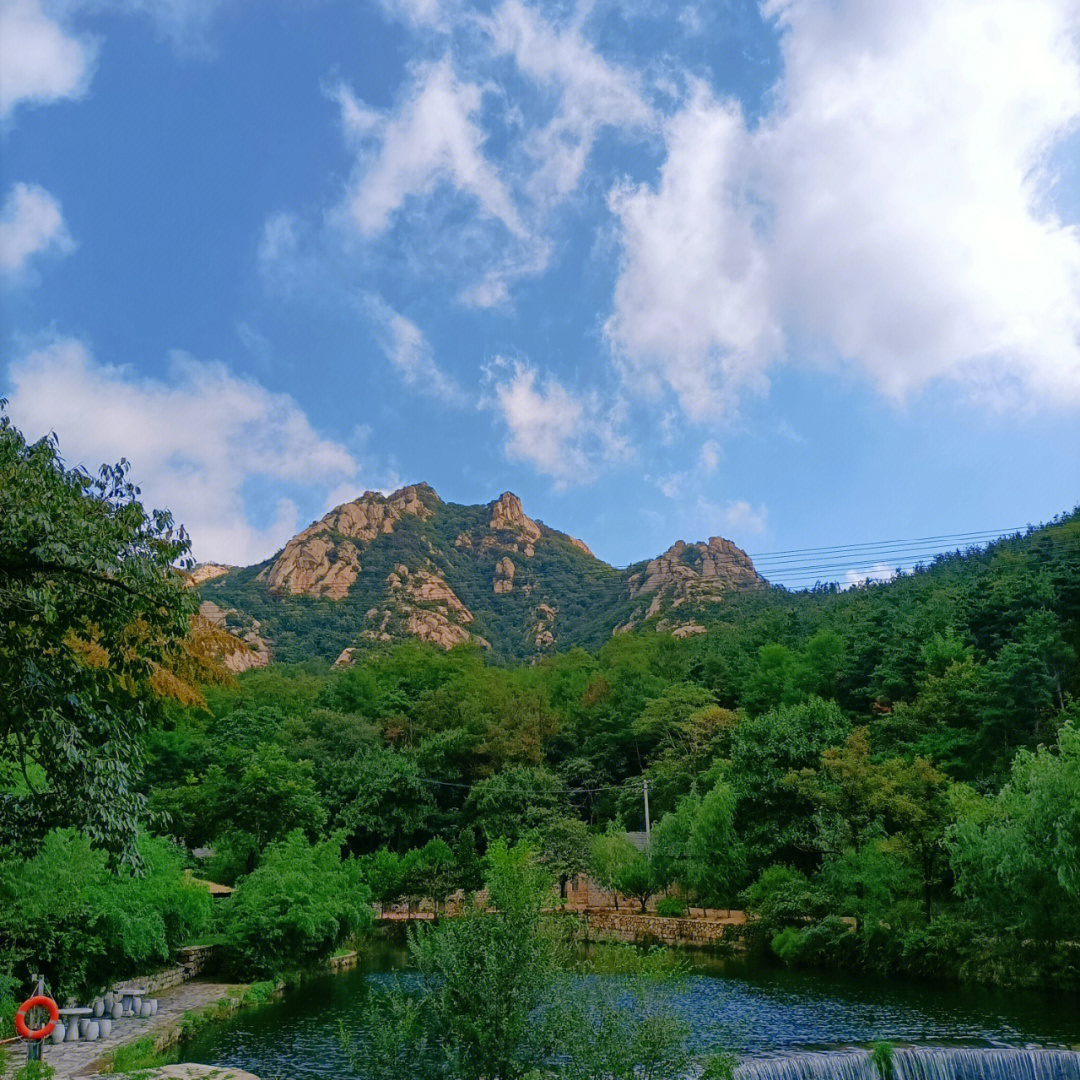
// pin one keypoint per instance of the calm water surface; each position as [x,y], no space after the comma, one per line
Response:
[758,1011]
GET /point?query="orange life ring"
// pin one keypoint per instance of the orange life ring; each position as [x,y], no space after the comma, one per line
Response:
[38,1001]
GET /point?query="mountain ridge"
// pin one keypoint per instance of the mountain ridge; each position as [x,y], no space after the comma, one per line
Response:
[407,565]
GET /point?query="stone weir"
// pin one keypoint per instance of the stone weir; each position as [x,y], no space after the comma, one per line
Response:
[920,1063]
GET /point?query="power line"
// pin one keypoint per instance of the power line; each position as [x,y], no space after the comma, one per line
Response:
[909,540]
[569,791]
[812,555]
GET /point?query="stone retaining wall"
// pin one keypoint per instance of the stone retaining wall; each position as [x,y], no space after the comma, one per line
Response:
[343,962]
[630,926]
[193,960]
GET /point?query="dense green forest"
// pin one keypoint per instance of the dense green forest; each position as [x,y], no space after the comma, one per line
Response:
[906,755]
[887,777]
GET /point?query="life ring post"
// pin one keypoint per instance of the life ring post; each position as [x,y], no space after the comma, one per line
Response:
[38,1001]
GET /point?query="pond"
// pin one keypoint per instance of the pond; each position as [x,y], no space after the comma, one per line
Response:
[757,1011]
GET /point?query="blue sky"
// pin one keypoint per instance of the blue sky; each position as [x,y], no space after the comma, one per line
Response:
[798,273]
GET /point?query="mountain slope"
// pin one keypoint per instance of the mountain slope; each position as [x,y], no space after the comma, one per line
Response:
[384,568]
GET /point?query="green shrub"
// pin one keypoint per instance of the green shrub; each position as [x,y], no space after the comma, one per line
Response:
[136,1055]
[299,905]
[8,989]
[881,1055]
[35,1070]
[66,914]
[671,907]
[787,944]
[261,992]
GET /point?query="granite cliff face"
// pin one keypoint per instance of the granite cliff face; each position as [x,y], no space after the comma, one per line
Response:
[689,574]
[324,560]
[387,568]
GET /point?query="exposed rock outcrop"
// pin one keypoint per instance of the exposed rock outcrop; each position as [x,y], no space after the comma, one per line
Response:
[508,517]
[207,572]
[687,630]
[690,573]
[696,570]
[429,609]
[504,575]
[436,628]
[543,636]
[324,559]
[250,651]
[428,587]
[581,546]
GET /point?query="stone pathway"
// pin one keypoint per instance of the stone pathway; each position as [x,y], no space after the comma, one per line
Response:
[82,1059]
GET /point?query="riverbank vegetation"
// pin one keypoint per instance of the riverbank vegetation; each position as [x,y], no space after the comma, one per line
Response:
[497,996]
[887,778]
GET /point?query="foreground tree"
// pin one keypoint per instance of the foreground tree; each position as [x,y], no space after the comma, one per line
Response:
[94,614]
[300,904]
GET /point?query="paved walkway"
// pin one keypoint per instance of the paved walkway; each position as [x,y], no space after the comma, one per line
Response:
[80,1059]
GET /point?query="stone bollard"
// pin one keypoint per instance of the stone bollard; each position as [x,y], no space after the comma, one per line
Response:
[58,1033]
[109,1000]
[98,1008]
[153,1006]
[147,1011]
[93,1030]
[72,1033]
[105,1024]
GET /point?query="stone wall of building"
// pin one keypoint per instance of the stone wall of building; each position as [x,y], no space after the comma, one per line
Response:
[634,926]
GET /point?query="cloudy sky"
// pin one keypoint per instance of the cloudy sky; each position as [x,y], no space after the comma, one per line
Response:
[800,273]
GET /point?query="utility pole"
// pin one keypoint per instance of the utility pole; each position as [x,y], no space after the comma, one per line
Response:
[648,828]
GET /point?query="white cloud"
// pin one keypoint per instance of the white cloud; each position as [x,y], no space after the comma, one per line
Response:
[692,311]
[880,572]
[741,517]
[194,439]
[672,485]
[40,60]
[562,435]
[893,210]
[427,13]
[736,519]
[279,239]
[185,23]
[432,139]
[590,92]
[709,458]
[31,222]
[410,352]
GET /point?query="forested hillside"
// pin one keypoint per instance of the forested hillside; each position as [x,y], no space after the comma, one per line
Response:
[867,753]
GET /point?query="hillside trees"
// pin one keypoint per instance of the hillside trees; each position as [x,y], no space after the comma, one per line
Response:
[1016,855]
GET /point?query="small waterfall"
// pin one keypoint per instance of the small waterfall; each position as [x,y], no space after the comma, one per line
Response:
[920,1063]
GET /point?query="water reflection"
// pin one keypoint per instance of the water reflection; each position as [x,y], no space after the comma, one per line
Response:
[757,1011]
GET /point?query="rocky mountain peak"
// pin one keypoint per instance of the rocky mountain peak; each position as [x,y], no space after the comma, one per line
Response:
[406,565]
[324,559]
[687,572]
[507,514]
